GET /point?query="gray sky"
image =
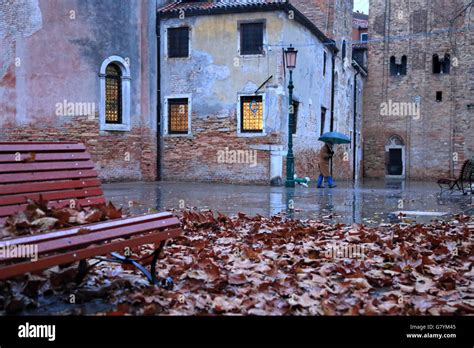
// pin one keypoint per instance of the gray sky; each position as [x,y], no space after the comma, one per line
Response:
[361,6]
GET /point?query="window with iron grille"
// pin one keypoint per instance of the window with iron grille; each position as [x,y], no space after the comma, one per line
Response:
[251,38]
[251,114]
[113,94]
[178,42]
[178,122]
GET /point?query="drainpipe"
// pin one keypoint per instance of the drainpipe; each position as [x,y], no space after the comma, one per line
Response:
[354,133]
[333,67]
[158,99]
[331,127]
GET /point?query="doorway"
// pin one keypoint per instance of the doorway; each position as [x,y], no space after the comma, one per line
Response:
[395,163]
[395,157]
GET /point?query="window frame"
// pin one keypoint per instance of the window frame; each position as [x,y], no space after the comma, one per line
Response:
[366,35]
[125,85]
[240,37]
[165,119]
[241,133]
[167,41]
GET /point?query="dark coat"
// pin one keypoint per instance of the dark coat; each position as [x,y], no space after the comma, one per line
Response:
[325,155]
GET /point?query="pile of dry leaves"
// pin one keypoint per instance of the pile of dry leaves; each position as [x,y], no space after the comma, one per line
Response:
[275,266]
[38,218]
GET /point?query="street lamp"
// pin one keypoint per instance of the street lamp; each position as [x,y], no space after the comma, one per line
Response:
[290,59]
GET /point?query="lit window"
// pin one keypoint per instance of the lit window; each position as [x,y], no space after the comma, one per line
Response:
[251,113]
[113,94]
[178,122]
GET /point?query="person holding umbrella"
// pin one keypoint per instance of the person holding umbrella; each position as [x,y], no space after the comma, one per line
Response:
[325,155]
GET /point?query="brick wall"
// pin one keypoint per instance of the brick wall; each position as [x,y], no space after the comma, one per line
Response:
[442,132]
[118,156]
[53,51]
[196,158]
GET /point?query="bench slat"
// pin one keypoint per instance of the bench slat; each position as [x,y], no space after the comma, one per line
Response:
[85,239]
[51,196]
[12,209]
[42,157]
[47,186]
[127,230]
[94,250]
[98,226]
[45,166]
[41,176]
[40,147]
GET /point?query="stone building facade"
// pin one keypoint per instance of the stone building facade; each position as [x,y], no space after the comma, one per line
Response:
[101,72]
[53,62]
[335,18]
[419,97]
[216,76]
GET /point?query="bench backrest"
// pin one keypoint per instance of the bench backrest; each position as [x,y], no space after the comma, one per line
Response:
[61,172]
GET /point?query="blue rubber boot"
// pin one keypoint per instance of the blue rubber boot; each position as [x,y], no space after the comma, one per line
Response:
[320,181]
[330,182]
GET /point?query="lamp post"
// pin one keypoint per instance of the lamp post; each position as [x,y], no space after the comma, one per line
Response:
[290,59]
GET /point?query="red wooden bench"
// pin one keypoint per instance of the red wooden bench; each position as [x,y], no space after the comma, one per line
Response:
[63,174]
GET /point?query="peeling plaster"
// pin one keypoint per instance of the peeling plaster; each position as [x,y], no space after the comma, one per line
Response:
[20,18]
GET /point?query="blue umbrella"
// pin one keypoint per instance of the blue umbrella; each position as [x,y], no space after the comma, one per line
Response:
[335,138]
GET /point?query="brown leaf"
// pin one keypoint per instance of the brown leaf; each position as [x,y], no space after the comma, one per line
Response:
[237,279]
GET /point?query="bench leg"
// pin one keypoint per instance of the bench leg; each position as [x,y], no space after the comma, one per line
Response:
[150,275]
[82,271]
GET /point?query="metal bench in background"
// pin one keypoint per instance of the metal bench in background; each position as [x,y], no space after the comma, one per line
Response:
[461,182]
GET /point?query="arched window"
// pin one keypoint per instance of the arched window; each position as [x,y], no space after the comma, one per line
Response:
[436,65]
[446,63]
[393,66]
[343,53]
[114,110]
[403,68]
[398,69]
[113,94]
[441,65]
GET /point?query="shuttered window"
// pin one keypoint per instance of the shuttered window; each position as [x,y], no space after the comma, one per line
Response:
[251,38]
[178,42]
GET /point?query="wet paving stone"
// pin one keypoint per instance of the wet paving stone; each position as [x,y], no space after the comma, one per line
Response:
[371,201]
